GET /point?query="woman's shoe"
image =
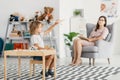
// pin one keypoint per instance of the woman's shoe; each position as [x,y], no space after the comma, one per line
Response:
[71,64]
[77,64]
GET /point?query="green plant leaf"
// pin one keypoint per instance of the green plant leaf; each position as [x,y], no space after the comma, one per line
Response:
[68,44]
[77,12]
[69,37]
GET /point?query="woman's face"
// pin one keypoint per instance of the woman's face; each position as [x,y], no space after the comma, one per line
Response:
[101,22]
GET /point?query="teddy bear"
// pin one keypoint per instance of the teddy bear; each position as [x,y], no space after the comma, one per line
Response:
[35,18]
[47,15]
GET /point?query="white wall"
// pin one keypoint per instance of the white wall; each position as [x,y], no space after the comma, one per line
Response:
[117,37]
[117,32]
[66,12]
[91,10]
[25,7]
[63,10]
[91,14]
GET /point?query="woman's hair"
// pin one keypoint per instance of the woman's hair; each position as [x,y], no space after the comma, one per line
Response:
[97,26]
[33,26]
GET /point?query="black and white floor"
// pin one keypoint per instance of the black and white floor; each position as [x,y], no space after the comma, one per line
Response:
[64,71]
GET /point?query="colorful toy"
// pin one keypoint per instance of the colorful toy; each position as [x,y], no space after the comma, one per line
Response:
[16,17]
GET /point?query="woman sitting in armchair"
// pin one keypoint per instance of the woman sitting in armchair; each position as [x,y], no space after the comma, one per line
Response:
[99,32]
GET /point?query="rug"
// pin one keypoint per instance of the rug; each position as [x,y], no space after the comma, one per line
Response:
[64,72]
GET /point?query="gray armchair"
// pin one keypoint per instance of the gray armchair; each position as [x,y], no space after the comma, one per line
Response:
[102,48]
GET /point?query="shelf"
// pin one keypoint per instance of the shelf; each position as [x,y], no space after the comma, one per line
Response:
[23,25]
[17,22]
[25,37]
[52,38]
[18,38]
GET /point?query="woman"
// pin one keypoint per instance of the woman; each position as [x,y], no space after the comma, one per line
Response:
[99,32]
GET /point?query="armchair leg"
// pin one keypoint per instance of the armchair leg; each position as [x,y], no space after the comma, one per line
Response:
[89,61]
[93,61]
[108,60]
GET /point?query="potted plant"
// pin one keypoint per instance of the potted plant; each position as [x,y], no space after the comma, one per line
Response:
[69,41]
[77,12]
[69,38]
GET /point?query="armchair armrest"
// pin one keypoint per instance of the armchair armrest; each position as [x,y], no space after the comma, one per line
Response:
[104,47]
[102,43]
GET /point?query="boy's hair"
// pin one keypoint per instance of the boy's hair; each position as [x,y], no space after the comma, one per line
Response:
[33,26]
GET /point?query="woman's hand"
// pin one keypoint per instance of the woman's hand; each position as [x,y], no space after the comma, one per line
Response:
[91,39]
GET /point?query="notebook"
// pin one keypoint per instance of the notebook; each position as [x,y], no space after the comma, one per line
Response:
[84,38]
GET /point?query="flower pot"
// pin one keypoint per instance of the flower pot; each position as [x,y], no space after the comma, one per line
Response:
[68,51]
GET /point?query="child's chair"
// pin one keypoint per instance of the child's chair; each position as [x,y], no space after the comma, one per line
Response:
[32,66]
[33,62]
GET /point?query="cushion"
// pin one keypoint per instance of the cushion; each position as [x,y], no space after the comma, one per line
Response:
[89,27]
[108,37]
[90,49]
[110,28]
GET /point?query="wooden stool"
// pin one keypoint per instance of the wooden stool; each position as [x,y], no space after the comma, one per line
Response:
[32,66]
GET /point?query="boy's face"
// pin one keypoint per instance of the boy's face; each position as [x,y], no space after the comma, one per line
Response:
[39,29]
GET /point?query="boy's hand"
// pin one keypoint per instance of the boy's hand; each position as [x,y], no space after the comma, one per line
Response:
[57,21]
